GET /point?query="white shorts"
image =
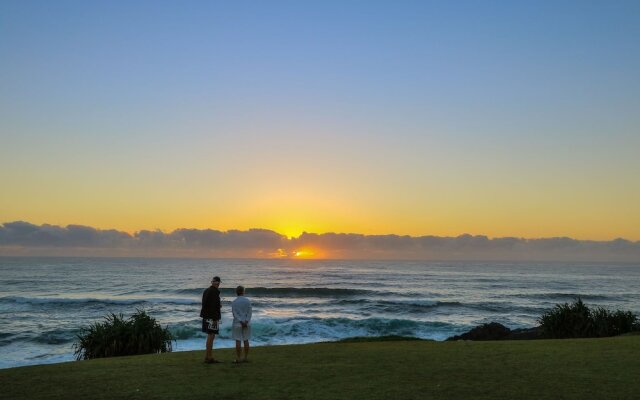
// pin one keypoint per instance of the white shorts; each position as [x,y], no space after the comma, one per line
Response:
[240,333]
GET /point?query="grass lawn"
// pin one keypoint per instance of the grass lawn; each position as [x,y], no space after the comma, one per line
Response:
[550,369]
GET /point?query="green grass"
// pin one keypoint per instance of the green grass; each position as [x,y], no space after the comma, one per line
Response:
[550,369]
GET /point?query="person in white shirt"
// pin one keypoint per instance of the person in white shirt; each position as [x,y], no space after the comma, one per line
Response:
[241,328]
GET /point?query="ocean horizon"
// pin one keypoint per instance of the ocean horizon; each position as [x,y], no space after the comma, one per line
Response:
[45,301]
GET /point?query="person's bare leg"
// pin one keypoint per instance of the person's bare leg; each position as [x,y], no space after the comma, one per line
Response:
[208,355]
[246,349]
[213,339]
[238,350]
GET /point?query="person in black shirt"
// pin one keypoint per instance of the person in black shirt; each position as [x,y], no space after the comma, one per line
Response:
[210,314]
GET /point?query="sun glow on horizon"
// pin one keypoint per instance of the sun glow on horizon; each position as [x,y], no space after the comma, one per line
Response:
[303,254]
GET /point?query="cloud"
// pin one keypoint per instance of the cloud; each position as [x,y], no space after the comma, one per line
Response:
[22,233]
[468,247]
[24,238]
[233,239]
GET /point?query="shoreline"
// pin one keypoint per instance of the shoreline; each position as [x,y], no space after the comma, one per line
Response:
[353,339]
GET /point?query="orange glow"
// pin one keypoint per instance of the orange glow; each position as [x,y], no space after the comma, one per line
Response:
[303,254]
[279,253]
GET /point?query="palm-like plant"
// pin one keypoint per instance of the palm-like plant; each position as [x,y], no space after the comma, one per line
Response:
[576,320]
[116,336]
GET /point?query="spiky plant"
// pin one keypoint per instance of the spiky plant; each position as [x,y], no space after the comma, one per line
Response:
[139,334]
[576,320]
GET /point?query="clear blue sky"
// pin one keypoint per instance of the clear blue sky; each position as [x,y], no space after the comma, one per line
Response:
[499,118]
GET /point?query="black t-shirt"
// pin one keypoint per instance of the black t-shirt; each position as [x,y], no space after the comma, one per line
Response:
[211,304]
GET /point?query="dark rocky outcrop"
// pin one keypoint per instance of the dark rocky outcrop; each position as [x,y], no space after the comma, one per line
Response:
[525,334]
[491,331]
[496,331]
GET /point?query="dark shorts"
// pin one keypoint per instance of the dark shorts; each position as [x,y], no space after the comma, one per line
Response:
[210,326]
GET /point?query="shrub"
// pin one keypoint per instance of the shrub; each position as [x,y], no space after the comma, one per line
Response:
[576,320]
[140,334]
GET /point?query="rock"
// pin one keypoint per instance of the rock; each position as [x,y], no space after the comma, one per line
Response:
[496,331]
[490,331]
[525,334]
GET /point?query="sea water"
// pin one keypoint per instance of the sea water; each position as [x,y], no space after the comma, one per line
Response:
[44,302]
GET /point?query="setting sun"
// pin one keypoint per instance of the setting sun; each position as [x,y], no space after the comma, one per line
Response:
[303,254]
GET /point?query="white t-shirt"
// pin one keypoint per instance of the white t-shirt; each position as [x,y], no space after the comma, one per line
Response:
[241,309]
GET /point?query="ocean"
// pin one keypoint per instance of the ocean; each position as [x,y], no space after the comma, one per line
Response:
[44,302]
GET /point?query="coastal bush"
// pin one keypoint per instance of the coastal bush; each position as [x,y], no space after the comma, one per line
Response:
[117,336]
[576,320]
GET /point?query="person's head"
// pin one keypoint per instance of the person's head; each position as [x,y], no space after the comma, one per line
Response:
[215,282]
[240,290]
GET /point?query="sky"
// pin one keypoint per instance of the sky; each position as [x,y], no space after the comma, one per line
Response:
[500,119]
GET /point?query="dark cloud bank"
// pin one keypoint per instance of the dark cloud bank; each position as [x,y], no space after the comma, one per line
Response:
[23,238]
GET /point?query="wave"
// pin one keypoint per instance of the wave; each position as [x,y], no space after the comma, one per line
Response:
[563,296]
[275,331]
[288,292]
[271,330]
[55,337]
[90,300]
[396,306]
[304,329]
[7,338]
[257,303]
[417,306]
[306,305]
[52,337]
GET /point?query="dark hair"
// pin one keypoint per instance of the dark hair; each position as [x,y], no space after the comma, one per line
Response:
[216,279]
[240,290]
